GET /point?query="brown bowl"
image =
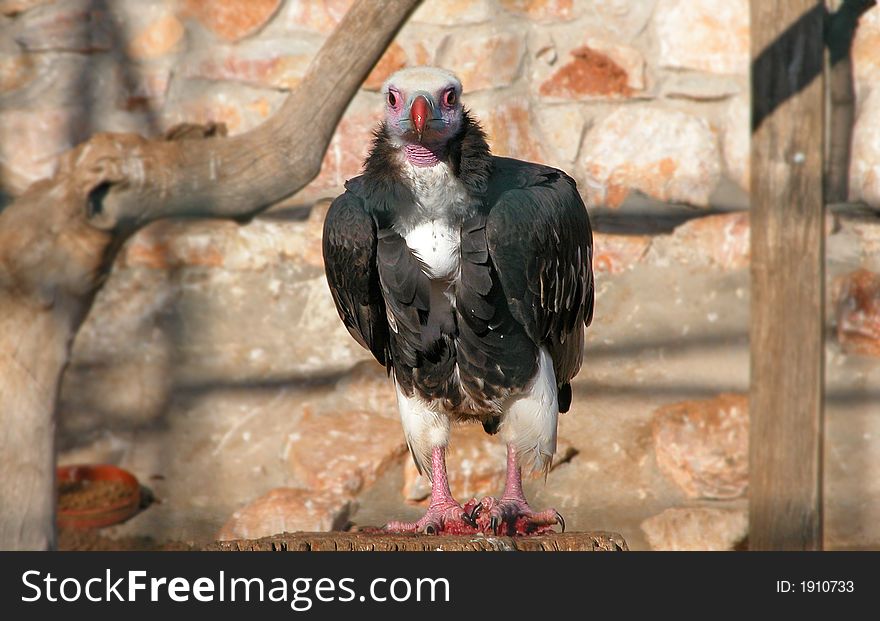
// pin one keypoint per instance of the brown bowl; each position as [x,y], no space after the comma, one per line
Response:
[94,496]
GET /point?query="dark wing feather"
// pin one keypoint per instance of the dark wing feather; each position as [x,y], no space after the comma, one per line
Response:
[350,263]
[541,244]
[407,295]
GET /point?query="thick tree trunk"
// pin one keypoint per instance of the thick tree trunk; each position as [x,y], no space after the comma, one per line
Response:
[51,263]
[35,348]
[58,240]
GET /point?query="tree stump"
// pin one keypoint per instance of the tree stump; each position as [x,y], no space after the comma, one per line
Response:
[598,541]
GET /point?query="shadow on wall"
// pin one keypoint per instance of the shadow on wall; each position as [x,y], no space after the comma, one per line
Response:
[122,68]
[68,73]
[839,31]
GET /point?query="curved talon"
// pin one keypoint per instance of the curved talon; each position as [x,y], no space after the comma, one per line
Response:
[475,512]
[493,524]
[560,520]
[470,519]
[430,530]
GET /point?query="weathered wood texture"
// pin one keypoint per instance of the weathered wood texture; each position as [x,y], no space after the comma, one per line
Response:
[58,240]
[373,542]
[787,269]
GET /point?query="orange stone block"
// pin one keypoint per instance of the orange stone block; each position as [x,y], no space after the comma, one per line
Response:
[509,131]
[857,306]
[286,509]
[613,254]
[232,20]
[703,446]
[484,59]
[589,73]
[157,39]
[345,451]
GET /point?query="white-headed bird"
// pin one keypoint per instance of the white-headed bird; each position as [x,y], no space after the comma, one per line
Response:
[469,276]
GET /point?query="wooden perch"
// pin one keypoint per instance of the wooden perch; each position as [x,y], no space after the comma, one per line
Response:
[369,542]
[59,239]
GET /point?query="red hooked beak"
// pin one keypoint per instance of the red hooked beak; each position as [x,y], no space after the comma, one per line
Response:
[419,113]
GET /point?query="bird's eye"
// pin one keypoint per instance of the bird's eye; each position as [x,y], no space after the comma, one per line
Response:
[392,99]
[449,98]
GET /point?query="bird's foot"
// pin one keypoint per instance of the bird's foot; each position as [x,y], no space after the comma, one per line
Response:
[441,519]
[514,516]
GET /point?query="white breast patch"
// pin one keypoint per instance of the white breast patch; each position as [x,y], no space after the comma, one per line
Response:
[441,200]
[436,243]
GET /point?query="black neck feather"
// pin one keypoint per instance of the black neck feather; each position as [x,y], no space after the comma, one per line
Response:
[470,157]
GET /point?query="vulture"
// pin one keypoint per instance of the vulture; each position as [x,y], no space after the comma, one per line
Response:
[469,276]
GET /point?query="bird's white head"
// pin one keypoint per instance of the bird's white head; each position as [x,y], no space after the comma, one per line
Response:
[422,107]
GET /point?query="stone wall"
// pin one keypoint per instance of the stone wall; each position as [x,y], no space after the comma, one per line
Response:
[647,95]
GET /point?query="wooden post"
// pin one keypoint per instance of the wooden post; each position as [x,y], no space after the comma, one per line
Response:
[787,270]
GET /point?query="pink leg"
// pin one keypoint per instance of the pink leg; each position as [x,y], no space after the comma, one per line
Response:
[444,514]
[511,514]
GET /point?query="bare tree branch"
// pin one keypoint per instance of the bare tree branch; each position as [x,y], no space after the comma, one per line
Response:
[240,176]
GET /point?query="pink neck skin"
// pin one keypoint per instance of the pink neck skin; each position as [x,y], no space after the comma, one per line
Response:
[421,156]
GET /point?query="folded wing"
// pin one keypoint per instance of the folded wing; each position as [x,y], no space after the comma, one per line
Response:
[349,247]
[541,245]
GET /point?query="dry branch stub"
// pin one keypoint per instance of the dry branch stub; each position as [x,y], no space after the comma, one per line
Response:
[598,541]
